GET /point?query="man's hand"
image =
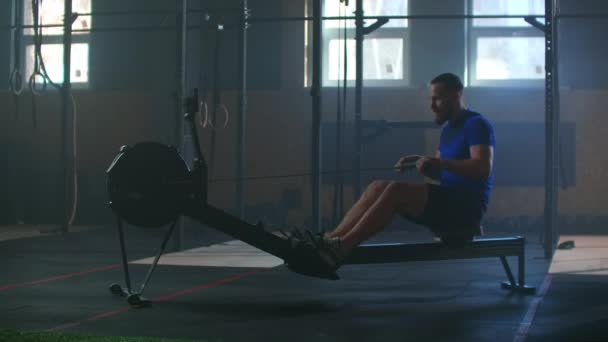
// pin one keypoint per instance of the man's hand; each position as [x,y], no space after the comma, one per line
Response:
[429,166]
[405,161]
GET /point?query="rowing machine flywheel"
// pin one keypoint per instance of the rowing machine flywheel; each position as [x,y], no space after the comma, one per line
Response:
[148,184]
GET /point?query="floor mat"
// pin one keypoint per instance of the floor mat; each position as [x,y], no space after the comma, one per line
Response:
[228,254]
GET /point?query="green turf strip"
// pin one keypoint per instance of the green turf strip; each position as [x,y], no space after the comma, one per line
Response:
[18,336]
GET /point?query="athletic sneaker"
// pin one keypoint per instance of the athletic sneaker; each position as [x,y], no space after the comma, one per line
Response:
[331,250]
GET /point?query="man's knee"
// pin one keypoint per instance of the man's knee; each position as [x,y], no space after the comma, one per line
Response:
[377,187]
[399,189]
[409,199]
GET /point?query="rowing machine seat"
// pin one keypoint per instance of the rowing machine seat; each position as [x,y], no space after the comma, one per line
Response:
[458,237]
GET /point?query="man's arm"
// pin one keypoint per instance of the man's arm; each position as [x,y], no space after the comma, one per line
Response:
[434,173]
[478,166]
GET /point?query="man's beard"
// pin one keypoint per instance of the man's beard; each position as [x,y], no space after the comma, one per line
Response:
[447,116]
[441,119]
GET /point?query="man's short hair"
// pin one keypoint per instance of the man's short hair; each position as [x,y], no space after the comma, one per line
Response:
[450,81]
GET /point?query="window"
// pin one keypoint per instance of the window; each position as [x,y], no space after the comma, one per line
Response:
[51,13]
[385,57]
[506,51]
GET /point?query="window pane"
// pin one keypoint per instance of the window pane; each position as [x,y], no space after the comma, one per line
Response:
[334,8]
[504,58]
[51,13]
[382,59]
[52,54]
[506,7]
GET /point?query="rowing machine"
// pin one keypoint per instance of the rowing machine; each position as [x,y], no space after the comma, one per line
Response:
[151,186]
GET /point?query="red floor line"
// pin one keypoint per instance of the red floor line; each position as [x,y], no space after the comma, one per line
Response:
[158,299]
[526,324]
[107,314]
[59,277]
[63,327]
[207,286]
[89,319]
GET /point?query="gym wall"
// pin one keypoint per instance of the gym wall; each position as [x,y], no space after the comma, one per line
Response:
[131,98]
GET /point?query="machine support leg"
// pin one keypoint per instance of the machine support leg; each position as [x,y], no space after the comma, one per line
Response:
[521,267]
[135,298]
[157,257]
[520,286]
[505,265]
[123,252]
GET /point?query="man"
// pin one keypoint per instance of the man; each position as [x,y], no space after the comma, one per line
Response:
[462,165]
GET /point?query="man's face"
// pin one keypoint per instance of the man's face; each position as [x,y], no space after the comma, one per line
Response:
[443,102]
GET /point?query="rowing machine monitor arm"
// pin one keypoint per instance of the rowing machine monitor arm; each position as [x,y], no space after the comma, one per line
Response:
[200,170]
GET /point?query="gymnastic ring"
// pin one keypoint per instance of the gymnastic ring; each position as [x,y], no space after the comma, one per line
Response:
[16,82]
[32,83]
[226,115]
[203,112]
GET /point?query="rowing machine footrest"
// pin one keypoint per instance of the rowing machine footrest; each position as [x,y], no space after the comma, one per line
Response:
[305,259]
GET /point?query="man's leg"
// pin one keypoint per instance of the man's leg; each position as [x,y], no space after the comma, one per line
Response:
[356,212]
[404,198]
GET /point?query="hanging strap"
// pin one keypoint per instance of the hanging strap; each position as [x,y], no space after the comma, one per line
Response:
[216,91]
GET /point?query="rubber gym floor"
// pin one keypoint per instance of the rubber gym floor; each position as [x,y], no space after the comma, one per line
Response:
[60,283]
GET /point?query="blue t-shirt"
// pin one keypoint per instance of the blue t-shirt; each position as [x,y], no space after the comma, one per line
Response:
[456,139]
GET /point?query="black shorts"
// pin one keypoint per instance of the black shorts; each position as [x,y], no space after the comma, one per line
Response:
[451,211]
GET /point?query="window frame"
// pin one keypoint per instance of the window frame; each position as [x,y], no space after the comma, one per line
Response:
[337,33]
[476,32]
[27,41]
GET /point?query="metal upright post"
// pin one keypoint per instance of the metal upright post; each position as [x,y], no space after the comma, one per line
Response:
[181,41]
[67,118]
[359,36]
[242,124]
[317,51]
[15,58]
[552,118]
